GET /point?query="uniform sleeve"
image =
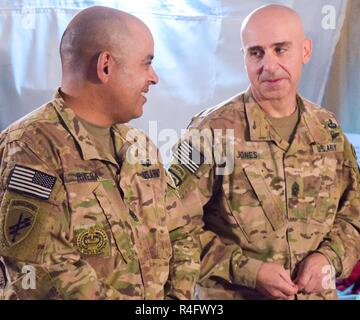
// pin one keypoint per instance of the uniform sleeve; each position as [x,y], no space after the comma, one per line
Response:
[35,229]
[185,261]
[197,184]
[341,245]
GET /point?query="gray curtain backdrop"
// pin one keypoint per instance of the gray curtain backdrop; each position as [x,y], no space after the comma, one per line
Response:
[197,56]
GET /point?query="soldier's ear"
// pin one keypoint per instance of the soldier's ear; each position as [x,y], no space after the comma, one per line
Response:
[103,66]
[307,50]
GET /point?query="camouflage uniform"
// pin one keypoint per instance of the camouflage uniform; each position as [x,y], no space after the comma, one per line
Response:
[279,204]
[93,227]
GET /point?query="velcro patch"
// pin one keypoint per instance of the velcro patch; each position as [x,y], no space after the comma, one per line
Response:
[178,173]
[248,155]
[188,157]
[326,148]
[19,221]
[87,176]
[31,182]
[151,174]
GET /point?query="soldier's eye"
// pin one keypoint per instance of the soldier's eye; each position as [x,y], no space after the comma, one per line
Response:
[280,50]
[256,54]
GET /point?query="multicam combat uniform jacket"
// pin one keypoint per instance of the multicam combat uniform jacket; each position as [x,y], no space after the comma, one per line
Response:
[93,229]
[279,204]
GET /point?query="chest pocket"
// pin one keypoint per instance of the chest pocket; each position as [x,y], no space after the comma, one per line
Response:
[144,195]
[255,208]
[312,187]
[99,228]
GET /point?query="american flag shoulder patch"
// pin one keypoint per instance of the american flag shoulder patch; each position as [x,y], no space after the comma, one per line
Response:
[31,182]
[188,157]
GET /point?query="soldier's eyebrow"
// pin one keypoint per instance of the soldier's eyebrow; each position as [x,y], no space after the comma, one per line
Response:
[286,44]
[255,48]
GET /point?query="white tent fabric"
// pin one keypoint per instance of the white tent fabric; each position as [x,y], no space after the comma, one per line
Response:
[343,88]
[197,53]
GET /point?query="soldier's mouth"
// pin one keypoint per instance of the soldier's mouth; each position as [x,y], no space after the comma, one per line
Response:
[272,81]
[144,93]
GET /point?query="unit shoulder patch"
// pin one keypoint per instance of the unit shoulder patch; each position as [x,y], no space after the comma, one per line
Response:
[178,174]
[19,221]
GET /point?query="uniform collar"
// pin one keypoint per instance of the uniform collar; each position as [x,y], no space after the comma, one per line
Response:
[88,148]
[260,129]
[315,130]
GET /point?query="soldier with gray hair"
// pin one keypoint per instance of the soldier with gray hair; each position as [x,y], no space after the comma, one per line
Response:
[285,220]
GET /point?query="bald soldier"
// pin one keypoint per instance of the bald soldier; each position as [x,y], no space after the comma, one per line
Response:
[86,205]
[277,194]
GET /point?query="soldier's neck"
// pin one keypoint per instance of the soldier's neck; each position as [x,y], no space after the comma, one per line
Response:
[278,108]
[85,106]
